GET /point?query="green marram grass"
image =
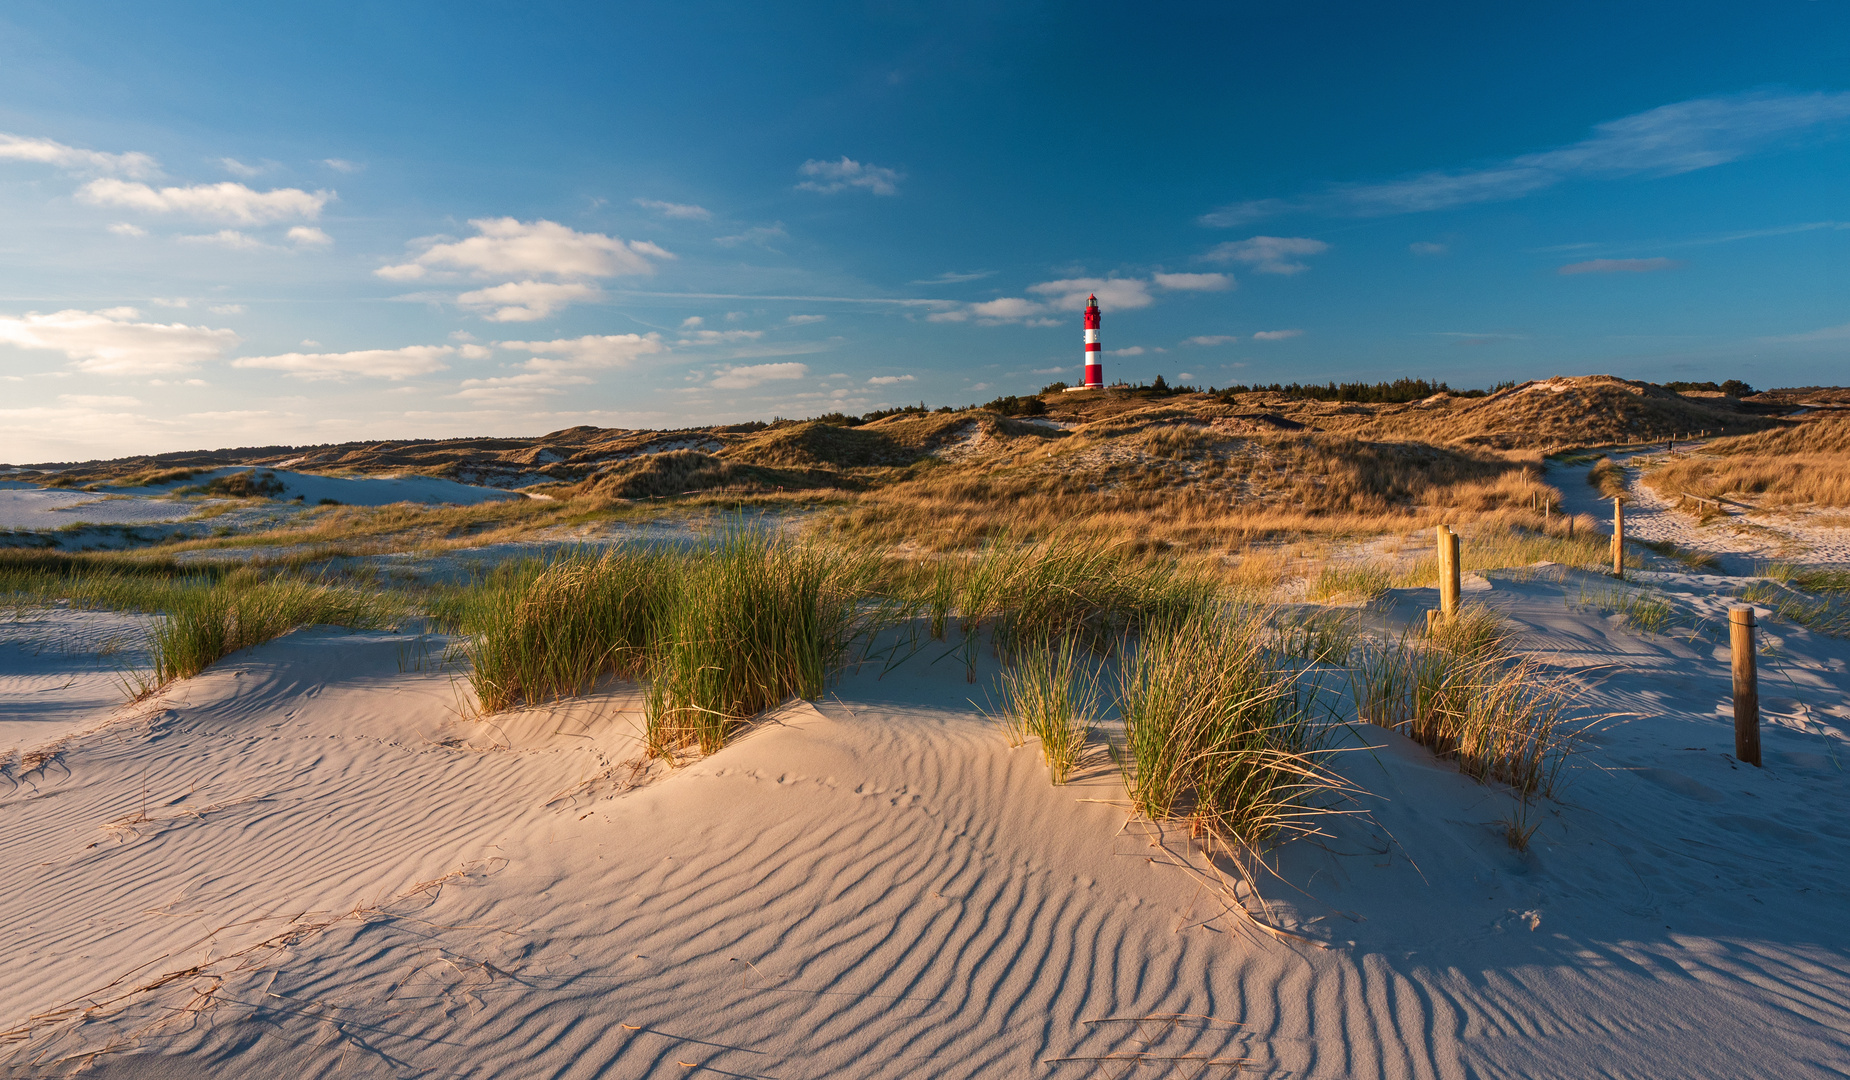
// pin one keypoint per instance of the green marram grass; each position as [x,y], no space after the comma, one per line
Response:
[1220,729]
[1050,693]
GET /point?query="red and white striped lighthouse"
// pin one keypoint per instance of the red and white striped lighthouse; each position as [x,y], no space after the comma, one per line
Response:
[1095,371]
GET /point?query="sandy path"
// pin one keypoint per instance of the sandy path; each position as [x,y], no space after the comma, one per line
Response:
[877,886]
[1740,542]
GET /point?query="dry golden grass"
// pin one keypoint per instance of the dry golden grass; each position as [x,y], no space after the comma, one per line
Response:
[1806,464]
[1163,484]
[1551,415]
[360,530]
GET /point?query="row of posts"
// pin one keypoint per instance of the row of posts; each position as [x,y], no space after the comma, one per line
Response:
[1740,630]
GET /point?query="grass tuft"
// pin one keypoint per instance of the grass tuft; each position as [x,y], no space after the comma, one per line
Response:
[1461,695]
[1050,693]
[1219,730]
[1607,477]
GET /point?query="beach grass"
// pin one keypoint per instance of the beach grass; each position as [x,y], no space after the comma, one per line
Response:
[1220,729]
[717,634]
[1462,695]
[1608,478]
[1050,692]
[244,609]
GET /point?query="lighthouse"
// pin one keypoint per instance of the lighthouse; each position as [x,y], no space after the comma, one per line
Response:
[1095,371]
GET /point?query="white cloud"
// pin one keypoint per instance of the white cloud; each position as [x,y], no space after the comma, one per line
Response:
[1195,282]
[1006,309]
[1185,374]
[1682,137]
[720,337]
[525,301]
[238,168]
[1211,339]
[1276,335]
[71,159]
[1134,350]
[685,211]
[1268,254]
[209,202]
[99,401]
[342,165]
[1829,333]
[1426,247]
[691,321]
[587,353]
[123,228]
[113,341]
[1619,266]
[508,387]
[226,309]
[1114,294]
[508,247]
[228,238]
[651,249]
[829,177]
[953,277]
[762,235]
[309,236]
[891,380]
[395,364]
[954,315]
[744,378]
[805,320]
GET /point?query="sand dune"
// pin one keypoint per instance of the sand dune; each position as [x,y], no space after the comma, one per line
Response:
[337,874]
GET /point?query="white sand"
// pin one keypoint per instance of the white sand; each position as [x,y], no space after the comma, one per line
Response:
[1740,541]
[335,875]
[61,671]
[42,509]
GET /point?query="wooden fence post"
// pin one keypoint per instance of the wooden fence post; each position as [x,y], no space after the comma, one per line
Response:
[1746,685]
[1449,586]
[1618,537]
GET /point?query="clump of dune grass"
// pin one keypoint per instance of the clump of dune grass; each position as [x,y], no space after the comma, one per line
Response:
[1689,557]
[1050,693]
[1607,477]
[1460,694]
[1326,636]
[1817,614]
[1221,730]
[1097,590]
[1474,632]
[1365,581]
[546,630]
[1641,610]
[1809,578]
[750,624]
[203,625]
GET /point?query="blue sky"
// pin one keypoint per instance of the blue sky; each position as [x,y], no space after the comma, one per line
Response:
[230,224]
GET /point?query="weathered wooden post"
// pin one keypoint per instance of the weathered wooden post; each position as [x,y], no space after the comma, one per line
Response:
[1449,585]
[1618,537]
[1746,685]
